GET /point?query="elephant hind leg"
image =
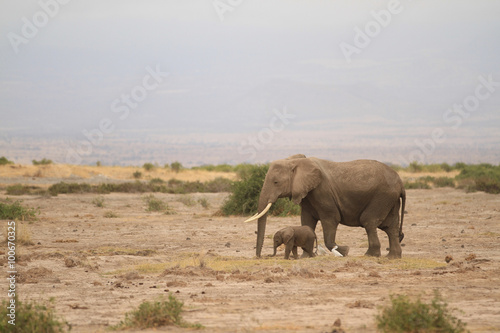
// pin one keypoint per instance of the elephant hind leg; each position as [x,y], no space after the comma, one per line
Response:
[373,242]
[391,228]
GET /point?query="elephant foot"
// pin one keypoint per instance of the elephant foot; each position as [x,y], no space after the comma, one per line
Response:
[373,253]
[394,255]
[343,250]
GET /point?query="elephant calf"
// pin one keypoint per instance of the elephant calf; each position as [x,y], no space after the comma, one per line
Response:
[303,236]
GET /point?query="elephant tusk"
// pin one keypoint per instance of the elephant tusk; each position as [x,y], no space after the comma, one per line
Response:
[256,216]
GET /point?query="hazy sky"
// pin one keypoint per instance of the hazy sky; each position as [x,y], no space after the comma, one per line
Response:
[361,70]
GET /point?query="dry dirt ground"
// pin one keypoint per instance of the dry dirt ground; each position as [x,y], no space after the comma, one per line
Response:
[98,268]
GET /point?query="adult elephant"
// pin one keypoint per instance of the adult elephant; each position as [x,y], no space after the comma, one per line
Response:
[361,193]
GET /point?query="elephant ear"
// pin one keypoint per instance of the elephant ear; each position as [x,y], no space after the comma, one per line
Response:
[287,235]
[306,177]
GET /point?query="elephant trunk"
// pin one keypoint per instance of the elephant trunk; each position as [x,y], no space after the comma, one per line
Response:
[275,250]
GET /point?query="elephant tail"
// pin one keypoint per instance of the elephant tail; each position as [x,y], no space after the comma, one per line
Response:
[403,201]
[316,238]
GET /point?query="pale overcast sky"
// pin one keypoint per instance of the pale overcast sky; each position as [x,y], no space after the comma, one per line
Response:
[371,70]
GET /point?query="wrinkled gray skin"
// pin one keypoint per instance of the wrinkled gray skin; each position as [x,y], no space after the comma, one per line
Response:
[294,237]
[362,193]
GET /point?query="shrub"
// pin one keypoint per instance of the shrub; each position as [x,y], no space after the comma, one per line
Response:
[446,167]
[244,199]
[444,182]
[65,188]
[156,205]
[154,185]
[406,316]
[18,189]
[32,317]
[15,211]
[415,167]
[218,168]
[218,185]
[42,162]
[137,174]
[245,193]
[482,177]
[5,161]
[176,166]
[419,184]
[98,202]
[156,181]
[155,314]
[285,207]
[148,166]
[98,163]
[204,203]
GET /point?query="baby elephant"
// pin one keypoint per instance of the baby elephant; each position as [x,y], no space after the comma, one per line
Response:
[292,237]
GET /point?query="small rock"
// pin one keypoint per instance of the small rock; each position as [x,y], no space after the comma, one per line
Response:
[448,259]
[228,244]
[188,238]
[69,262]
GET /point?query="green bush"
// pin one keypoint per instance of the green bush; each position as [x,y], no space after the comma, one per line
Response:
[415,167]
[444,182]
[137,174]
[65,188]
[245,192]
[285,207]
[244,199]
[218,168]
[176,166]
[42,162]
[154,185]
[446,167]
[5,161]
[482,177]
[16,211]
[404,315]
[148,166]
[418,184]
[18,189]
[156,314]
[218,185]
[157,205]
[33,318]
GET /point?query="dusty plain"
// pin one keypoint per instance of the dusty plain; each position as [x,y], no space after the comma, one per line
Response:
[98,268]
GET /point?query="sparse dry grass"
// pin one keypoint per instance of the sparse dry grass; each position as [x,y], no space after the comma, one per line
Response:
[23,233]
[114,172]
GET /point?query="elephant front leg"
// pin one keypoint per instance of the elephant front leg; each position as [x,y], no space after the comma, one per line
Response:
[373,242]
[288,249]
[329,233]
